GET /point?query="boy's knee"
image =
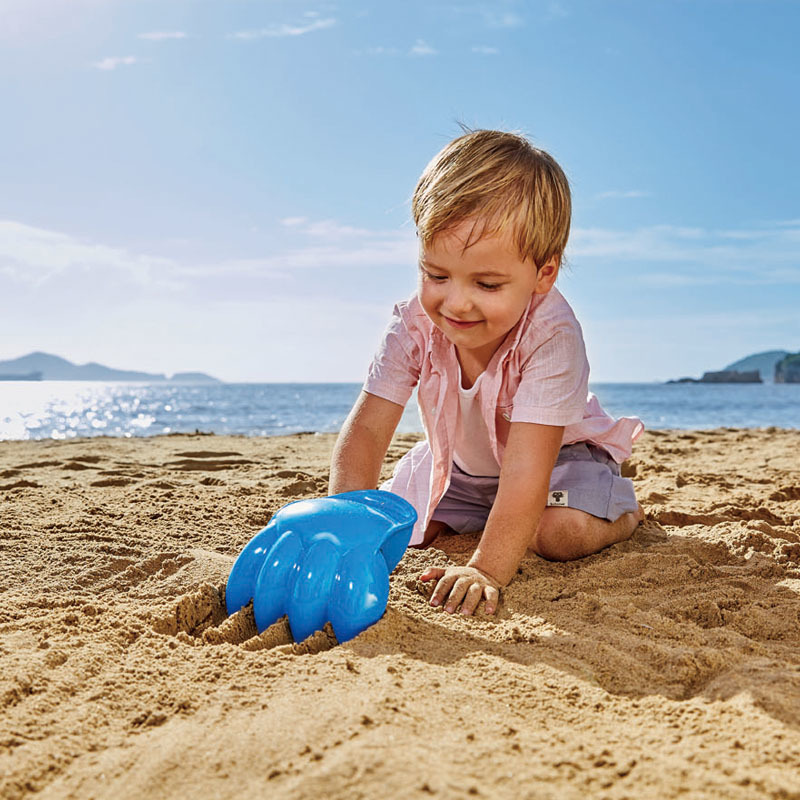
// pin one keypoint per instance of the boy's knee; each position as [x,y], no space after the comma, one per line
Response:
[561,534]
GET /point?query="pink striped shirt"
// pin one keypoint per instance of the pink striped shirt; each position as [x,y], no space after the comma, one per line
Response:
[539,374]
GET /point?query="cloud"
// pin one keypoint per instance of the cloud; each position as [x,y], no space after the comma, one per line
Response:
[44,19]
[422,48]
[767,255]
[556,10]
[380,51]
[660,256]
[326,228]
[483,50]
[33,256]
[322,244]
[159,36]
[630,193]
[293,222]
[418,49]
[112,62]
[282,30]
[502,19]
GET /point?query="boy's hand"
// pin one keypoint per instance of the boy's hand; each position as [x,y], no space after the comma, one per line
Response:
[465,585]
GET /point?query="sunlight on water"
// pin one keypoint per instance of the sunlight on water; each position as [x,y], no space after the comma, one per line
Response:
[68,409]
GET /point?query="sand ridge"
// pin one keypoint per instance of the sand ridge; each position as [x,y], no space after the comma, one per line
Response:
[666,665]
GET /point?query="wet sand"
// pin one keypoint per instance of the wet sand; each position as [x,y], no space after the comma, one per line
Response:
[667,665]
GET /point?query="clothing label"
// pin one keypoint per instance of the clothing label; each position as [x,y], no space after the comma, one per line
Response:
[558,498]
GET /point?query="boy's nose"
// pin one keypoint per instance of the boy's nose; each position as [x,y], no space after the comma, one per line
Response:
[458,301]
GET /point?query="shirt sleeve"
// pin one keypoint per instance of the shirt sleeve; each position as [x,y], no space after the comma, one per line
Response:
[395,369]
[554,382]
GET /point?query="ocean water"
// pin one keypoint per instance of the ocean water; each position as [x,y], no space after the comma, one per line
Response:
[68,409]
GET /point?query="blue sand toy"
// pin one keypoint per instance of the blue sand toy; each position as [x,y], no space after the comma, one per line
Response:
[326,559]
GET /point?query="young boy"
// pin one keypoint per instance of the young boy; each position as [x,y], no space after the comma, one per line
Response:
[515,445]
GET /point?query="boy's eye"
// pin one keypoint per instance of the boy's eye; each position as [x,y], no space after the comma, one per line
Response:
[432,276]
[489,286]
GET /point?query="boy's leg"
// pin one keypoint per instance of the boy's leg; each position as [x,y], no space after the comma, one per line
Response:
[435,527]
[589,506]
[565,534]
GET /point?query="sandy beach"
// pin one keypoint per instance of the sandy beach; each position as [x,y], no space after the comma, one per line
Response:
[665,666]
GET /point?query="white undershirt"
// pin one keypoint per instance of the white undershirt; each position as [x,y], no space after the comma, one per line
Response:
[473,452]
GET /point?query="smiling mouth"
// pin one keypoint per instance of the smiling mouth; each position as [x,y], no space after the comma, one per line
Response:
[458,324]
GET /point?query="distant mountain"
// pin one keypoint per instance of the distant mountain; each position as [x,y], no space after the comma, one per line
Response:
[763,362]
[55,368]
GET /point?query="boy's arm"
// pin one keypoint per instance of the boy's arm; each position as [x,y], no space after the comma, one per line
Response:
[528,461]
[362,444]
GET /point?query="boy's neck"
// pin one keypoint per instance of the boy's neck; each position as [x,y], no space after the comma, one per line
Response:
[473,363]
[471,369]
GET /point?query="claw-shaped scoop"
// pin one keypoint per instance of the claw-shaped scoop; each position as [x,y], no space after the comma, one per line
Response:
[320,560]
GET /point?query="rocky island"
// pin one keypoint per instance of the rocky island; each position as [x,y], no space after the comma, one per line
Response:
[787,370]
[725,376]
[778,366]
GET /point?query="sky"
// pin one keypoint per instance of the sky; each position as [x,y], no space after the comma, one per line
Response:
[224,185]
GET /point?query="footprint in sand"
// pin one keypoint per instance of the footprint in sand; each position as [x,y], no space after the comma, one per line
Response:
[82,462]
[112,482]
[786,493]
[208,460]
[23,484]
[162,485]
[208,454]
[189,464]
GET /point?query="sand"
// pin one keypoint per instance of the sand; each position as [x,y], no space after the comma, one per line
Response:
[668,665]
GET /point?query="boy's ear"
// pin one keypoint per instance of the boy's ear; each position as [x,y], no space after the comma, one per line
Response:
[546,276]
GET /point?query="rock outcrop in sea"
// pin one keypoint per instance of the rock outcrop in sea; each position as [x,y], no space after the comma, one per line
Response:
[725,376]
[787,370]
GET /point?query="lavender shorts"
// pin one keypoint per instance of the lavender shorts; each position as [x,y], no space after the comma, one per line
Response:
[585,477]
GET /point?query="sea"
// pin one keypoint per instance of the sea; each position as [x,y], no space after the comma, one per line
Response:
[70,409]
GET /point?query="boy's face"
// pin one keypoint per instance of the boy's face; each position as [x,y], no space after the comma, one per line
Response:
[475,297]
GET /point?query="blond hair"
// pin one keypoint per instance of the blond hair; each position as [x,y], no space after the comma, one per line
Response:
[503,182]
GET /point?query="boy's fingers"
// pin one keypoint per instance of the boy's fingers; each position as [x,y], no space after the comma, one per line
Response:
[430,574]
[457,593]
[442,589]
[472,599]
[492,599]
